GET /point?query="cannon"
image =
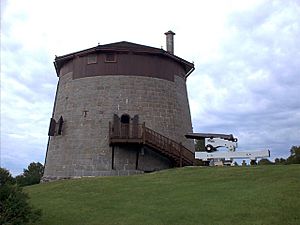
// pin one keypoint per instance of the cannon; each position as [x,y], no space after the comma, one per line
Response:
[213,142]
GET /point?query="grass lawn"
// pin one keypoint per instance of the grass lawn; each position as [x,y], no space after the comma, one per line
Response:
[193,195]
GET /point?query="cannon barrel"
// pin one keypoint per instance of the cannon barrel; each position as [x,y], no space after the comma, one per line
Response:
[199,136]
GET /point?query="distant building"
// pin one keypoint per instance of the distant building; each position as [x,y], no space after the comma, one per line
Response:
[120,109]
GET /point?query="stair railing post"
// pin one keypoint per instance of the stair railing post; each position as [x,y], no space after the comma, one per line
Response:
[144,133]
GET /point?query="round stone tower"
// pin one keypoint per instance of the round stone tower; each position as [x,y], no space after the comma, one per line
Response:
[120,109]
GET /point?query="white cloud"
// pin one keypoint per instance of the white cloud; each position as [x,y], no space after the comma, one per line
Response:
[252,88]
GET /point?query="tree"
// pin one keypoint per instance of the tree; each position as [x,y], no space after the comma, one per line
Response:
[295,151]
[31,175]
[5,177]
[200,145]
[294,158]
[14,207]
[253,162]
[265,162]
[280,161]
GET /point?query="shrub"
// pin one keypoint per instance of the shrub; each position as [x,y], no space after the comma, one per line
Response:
[14,207]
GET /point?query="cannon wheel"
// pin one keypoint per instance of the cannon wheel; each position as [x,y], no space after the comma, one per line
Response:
[209,148]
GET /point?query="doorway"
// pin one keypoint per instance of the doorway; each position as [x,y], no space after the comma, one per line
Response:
[125,121]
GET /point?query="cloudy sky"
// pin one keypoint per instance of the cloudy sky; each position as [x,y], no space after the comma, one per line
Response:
[246,54]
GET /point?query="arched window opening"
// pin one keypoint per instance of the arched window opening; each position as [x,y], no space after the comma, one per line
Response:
[125,119]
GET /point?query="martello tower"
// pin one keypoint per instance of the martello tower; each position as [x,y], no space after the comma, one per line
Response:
[120,109]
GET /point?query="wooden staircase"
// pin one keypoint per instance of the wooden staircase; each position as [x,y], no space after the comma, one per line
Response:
[120,134]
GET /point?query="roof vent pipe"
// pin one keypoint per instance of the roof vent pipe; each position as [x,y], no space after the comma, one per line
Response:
[170,41]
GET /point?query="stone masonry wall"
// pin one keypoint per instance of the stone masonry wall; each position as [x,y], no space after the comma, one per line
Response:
[88,104]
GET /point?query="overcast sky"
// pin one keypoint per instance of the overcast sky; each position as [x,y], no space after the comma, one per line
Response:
[246,54]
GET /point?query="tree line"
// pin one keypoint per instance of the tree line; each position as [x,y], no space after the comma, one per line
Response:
[294,158]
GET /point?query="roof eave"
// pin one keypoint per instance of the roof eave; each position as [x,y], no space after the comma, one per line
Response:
[60,60]
[189,67]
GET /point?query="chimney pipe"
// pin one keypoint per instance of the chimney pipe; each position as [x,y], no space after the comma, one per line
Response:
[170,41]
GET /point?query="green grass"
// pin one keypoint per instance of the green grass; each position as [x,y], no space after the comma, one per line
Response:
[195,195]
